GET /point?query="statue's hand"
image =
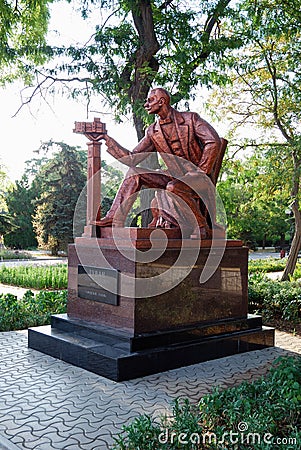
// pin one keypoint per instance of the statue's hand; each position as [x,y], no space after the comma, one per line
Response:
[106,138]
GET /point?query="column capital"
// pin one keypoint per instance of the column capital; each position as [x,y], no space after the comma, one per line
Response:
[94,131]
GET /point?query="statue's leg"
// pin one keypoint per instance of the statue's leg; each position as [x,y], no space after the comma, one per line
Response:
[183,191]
[127,193]
[189,196]
[155,213]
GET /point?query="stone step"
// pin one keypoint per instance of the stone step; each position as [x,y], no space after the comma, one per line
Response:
[117,363]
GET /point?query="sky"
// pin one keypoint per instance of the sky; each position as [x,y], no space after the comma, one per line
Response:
[23,134]
[39,122]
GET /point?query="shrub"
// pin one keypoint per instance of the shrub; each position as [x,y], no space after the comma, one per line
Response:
[268,405]
[32,310]
[297,273]
[146,433]
[267,265]
[272,265]
[268,408]
[35,277]
[13,254]
[274,299]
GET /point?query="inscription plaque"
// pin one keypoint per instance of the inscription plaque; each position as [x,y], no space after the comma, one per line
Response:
[98,284]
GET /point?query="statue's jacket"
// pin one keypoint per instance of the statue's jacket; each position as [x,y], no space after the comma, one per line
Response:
[200,145]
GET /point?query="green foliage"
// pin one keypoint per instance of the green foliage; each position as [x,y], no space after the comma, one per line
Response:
[23,26]
[56,193]
[274,299]
[6,224]
[35,277]
[110,181]
[266,265]
[144,432]
[13,254]
[137,44]
[5,218]
[297,274]
[266,95]
[254,193]
[3,186]
[19,200]
[30,311]
[59,181]
[268,405]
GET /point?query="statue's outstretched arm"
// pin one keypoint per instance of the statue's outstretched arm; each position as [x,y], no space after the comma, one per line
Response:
[133,158]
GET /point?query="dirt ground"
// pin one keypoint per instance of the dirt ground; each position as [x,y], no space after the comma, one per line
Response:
[285,325]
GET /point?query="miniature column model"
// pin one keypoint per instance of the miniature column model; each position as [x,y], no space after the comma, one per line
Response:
[94,131]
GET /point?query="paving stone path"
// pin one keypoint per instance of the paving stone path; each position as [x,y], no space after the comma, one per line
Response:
[48,404]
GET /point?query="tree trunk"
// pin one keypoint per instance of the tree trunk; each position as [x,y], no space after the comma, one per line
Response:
[54,250]
[264,241]
[143,20]
[296,243]
[151,162]
[295,247]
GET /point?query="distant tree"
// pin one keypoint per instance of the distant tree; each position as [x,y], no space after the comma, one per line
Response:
[6,224]
[60,182]
[110,182]
[265,95]
[4,183]
[19,200]
[253,197]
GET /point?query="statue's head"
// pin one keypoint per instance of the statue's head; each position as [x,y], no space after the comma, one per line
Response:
[158,100]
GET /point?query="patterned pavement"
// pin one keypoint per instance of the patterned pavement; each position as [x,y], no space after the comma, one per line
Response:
[48,404]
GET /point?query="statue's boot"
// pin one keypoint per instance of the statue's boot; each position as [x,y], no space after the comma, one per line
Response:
[122,203]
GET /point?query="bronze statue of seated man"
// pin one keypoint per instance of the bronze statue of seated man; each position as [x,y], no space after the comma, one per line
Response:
[192,152]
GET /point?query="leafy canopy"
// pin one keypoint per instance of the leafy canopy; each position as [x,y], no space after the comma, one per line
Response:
[136,44]
[23,27]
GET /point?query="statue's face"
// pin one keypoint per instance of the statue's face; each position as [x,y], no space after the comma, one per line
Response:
[153,103]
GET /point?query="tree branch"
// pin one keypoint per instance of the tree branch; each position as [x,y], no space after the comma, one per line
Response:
[39,88]
[144,58]
[273,72]
[165,4]
[209,25]
[211,21]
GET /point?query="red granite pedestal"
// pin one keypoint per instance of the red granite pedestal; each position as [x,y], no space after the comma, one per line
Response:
[136,305]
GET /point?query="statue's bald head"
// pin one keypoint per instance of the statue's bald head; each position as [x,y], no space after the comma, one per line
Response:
[161,93]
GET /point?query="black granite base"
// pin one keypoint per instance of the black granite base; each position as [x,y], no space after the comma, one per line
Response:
[120,356]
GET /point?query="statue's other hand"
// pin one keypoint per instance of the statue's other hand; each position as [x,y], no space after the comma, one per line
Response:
[107,139]
[194,174]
